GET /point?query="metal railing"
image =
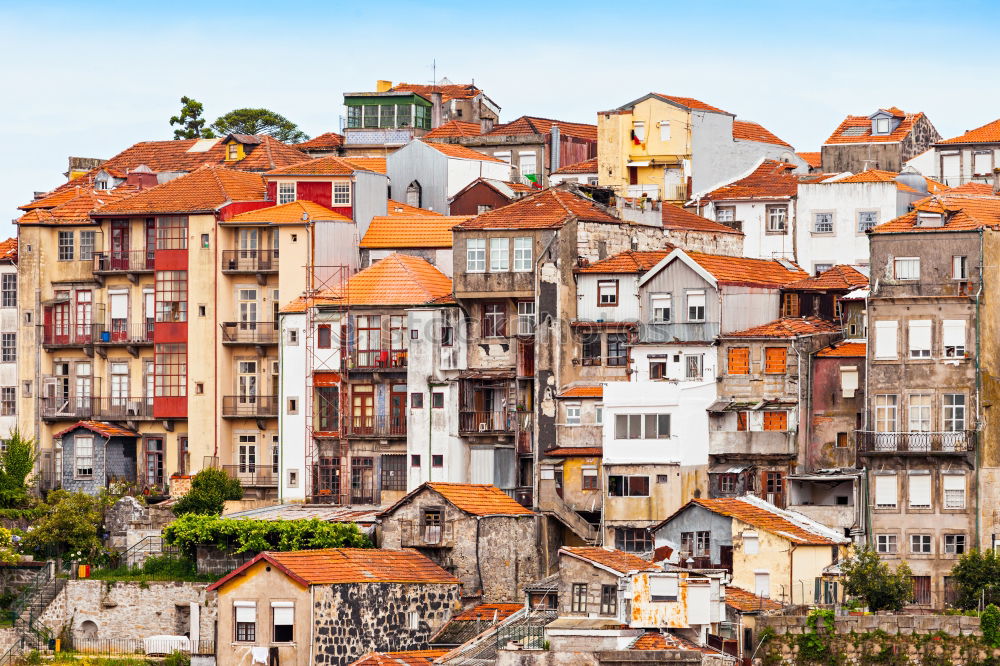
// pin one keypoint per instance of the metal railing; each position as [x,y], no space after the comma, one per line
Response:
[67,336]
[73,407]
[378,359]
[249,261]
[961,441]
[107,647]
[249,332]
[376,425]
[148,546]
[28,608]
[486,422]
[120,332]
[124,261]
[253,474]
[250,405]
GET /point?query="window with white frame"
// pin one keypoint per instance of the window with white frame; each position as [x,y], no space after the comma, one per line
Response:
[660,304]
[920,412]
[572,414]
[525,317]
[8,290]
[920,544]
[920,491]
[245,624]
[886,407]
[866,220]
[959,267]
[639,130]
[953,411]
[475,255]
[906,268]
[527,163]
[283,620]
[882,125]
[823,223]
[886,544]
[607,292]
[885,491]
[725,214]
[65,243]
[692,366]
[920,338]
[954,544]
[599,414]
[8,347]
[642,426]
[87,240]
[696,306]
[953,338]
[982,163]
[777,219]
[8,401]
[341,194]
[664,130]
[953,490]
[522,254]
[84,455]
[286,193]
[499,255]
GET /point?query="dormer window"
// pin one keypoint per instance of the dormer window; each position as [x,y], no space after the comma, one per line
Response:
[232,152]
[881,126]
[930,219]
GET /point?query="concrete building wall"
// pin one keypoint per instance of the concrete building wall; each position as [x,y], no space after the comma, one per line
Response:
[758,242]
[588,307]
[696,519]
[573,570]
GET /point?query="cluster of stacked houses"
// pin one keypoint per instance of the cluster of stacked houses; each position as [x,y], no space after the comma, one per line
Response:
[667,338]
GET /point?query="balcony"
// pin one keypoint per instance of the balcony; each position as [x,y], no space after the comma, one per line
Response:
[124,261]
[122,333]
[62,336]
[752,443]
[249,261]
[679,332]
[377,359]
[261,476]
[916,443]
[249,333]
[110,409]
[376,426]
[250,406]
[486,423]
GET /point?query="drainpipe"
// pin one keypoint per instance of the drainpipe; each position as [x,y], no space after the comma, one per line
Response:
[979,383]
[554,148]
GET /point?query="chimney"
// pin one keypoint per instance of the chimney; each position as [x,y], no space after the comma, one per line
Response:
[142,177]
[554,148]
[996,181]
[436,109]
[382,86]
[485,125]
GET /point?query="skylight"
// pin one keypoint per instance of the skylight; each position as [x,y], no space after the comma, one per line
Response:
[854,131]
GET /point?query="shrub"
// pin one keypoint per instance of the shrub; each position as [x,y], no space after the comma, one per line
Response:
[977,579]
[70,524]
[867,577]
[989,622]
[16,464]
[210,488]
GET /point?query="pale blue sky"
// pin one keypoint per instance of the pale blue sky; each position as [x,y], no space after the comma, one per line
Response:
[89,79]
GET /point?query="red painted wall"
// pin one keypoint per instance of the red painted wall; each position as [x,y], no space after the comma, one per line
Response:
[468,202]
[238,207]
[573,150]
[272,190]
[316,191]
[346,211]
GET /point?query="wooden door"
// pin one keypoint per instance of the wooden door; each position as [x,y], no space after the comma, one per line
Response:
[397,410]
[150,243]
[362,409]
[119,245]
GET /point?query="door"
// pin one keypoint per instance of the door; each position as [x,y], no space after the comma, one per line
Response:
[726,558]
[247,457]
[154,462]
[119,245]
[150,243]
[369,332]
[119,388]
[149,311]
[397,410]
[246,382]
[362,481]
[922,590]
[362,409]
[119,315]
[83,387]
[247,299]
[248,248]
[149,374]
[60,324]
[397,340]
[84,314]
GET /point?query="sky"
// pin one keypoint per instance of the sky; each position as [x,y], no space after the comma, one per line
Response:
[89,79]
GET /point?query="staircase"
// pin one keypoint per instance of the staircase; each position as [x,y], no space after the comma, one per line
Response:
[148,546]
[28,608]
[525,627]
[550,504]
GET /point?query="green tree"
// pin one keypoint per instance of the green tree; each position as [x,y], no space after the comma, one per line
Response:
[210,488]
[259,121]
[867,577]
[976,576]
[989,622]
[192,125]
[71,525]
[16,465]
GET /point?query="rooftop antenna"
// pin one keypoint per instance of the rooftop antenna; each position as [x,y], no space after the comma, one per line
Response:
[434,73]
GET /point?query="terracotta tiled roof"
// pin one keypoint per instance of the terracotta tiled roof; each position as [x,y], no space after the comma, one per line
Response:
[454,128]
[740,270]
[841,276]
[401,231]
[488,611]
[787,327]
[328,141]
[400,208]
[859,129]
[548,209]
[289,213]
[184,155]
[815,160]
[988,133]
[617,560]
[583,392]
[772,519]
[448,91]
[628,261]
[745,130]
[399,279]
[690,103]
[678,219]
[376,164]
[535,125]
[461,152]
[331,566]
[331,165]
[406,658]
[770,180]
[58,196]
[479,499]
[748,602]
[574,452]
[586,166]
[101,428]
[302,303]
[76,208]
[201,191]
[983,189]
[654,640]
[844,349]
[962,212]
[8,250]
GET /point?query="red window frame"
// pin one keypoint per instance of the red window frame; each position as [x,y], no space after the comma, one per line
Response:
[170,301]
[171,370]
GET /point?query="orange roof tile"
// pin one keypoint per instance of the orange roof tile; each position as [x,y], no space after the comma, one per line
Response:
[748,602]
[815,160]
[101,428]
[402,231]
[617,560]
[654,640]
[548,209]
[841,276]
[405,658]
[691,103]
[399,279]
[302,303]
[56,197]
[331,165]
[745,130]
[676,218]
[629,261]
[767,518]
[844,349]
[448,91]
[399,208]
[376,164]
[479,499]
[488,611]
[331,566]
[536,125]
[326,141]
[988,133]
[787,327]
[76,209]
[8,250]
[204,190]
[984,189]
[269,153]
[461,152]
[859,129]
[289,213]
[454,128]
[583,392]
[575,451]
[740,270]
[962,212]
[770,180]
[586,166]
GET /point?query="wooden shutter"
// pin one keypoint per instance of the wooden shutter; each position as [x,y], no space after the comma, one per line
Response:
[739,361]
[775,360]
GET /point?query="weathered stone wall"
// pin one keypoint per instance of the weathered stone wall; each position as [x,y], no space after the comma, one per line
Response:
[354,619]
[131,610]
[209,559]
[573,570]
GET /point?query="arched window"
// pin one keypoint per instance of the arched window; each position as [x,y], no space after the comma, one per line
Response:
[413,194]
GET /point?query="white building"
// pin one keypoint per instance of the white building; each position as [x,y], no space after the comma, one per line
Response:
[968,158]
[582,172]
[9,349]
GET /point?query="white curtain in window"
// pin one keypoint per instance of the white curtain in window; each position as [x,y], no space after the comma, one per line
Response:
[886,333]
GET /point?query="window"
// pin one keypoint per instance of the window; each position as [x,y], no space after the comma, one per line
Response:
[663,588]
[87,245]
[920,491]
[286,193]
[953,338]
[8,347]
[727,482]
[171,296]
[959,268]
[528,163]
[494,320]
[483,208]
[881,125]
[982,163]
[885,491]
[8,401]
[293,336]
[324,336]
[907,268]
[525,317]
[628,426]
[437,460]
[664,130]
[692,366]
[886,544]
[633,539]
[738,360]
[954,412]
[589,479]
[886,339]
[394,472]
[775,360]
[499,255]
[696,306]
[885,412]
[774,485]
[447,335]
[920,413]
[84,453]
[920,543]
[776,216]
[8,290]
[245,613]
[843,441]
[522,254]
[437,400]
[725,214]
[661,307]
[607,293]
[920,338]
[628,486]
[823,223]
[65,246]
[657,369]
[171,232]
[790,305]
[341,194]
[579,598]
[572,414]
[866,220]
[776,420]
[475,255]
[921,590]
[171,370]
[617,353]
[416,400]
[590,349]
[609,600]
[639,130]
[954,544]
[953,489]
[415,460]
[696,544]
